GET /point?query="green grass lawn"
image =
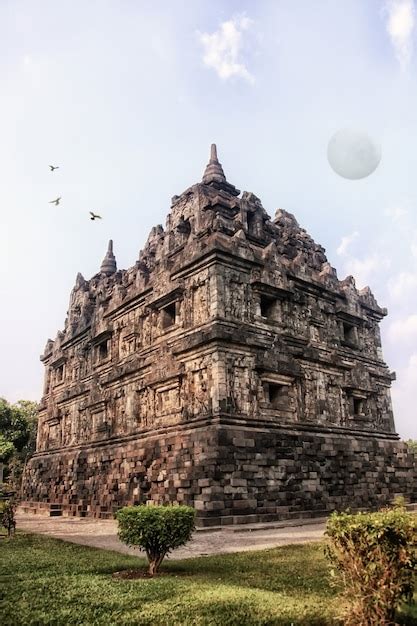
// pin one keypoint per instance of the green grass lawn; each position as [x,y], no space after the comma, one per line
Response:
[47,581]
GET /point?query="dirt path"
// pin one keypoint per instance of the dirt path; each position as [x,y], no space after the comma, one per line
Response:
[103,534]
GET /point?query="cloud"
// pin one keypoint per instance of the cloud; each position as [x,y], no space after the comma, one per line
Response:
[404,329]
[363,269]
[345,243]
[396,213]
[402,285]
[31,70]
[414,245]
[223,48]
[400,26]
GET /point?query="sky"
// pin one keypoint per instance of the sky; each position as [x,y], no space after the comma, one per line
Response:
[126,97]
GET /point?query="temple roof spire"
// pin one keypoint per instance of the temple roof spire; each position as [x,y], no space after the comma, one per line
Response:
[214,171]
[214,174]
[109,265]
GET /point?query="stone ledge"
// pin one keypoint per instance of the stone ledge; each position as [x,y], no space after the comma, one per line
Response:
[244,525]
[225,420]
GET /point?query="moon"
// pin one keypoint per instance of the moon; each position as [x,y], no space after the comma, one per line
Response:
[353,154]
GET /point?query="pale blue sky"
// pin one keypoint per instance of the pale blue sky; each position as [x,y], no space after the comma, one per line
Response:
[126,96]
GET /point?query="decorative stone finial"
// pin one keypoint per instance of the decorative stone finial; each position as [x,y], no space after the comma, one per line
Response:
[214,174]
[214,171]
[79,281]
[109,266]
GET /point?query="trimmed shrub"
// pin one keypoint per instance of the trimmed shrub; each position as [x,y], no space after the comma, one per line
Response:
[156,529]
[7,516]
[374,557]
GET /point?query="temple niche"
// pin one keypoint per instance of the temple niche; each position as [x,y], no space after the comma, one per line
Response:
[229,351]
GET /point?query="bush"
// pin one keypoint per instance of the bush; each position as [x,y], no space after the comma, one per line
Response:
[18,424]
[374,557]
[7,513]
[155,529]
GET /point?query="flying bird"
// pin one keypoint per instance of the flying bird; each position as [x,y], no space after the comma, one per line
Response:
[95,216]
[54,167]
[56,201]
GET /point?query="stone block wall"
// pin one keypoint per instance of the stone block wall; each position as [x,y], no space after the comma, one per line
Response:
[228,472]
[279,473]
[98,480]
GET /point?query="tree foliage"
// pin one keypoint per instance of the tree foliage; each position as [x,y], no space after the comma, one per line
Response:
[374,557]
[156,529]
[7,516]
[412,444]
[18,425]
[6,449]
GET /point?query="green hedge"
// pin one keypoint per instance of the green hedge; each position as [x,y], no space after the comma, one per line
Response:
[373,556]
[156,529]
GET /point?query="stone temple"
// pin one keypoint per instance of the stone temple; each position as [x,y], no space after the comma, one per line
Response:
[229,369]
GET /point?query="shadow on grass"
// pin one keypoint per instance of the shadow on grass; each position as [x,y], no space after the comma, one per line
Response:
[407,616]
[48,581]
[243,612]
[295,569]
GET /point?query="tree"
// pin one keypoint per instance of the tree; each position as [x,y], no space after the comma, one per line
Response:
[13,425]
[412,444]
[29,411]
[7,516]
[6,451]
[18,425]
[156,529]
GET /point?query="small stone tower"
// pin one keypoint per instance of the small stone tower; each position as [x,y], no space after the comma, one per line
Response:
[109,267]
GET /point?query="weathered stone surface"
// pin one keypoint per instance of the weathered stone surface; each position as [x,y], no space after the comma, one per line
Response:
[229,369]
